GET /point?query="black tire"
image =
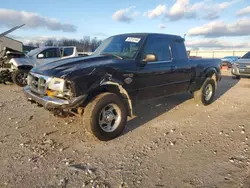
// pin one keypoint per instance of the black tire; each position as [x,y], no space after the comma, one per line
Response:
[236,77]
[200,95]
[93,113]
[19,77]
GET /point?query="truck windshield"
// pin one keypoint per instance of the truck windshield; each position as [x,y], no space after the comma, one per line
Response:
[33,52]
[122,47]
[246,56]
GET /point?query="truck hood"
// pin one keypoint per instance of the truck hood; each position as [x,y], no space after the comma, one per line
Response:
[244,63]
[227,59]
[62,68]
[22,61]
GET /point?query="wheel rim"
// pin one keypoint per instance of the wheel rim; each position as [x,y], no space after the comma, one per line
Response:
[208,92]
[22,78]
[110,118]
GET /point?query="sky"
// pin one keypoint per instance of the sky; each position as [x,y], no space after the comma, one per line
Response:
[212,24]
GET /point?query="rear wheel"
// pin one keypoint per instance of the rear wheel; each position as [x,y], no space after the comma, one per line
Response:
[105,116]
[19,77]
[206,93]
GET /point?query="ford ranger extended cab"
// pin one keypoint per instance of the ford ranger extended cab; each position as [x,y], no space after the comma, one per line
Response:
[17,68]
[123,70]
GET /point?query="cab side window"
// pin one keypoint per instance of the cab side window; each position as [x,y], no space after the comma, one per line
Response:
[160,47]
[67,52]
[51,53]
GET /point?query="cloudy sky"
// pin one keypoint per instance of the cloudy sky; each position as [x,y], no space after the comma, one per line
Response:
[223,24]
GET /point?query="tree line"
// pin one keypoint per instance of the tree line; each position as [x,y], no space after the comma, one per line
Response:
[86,44]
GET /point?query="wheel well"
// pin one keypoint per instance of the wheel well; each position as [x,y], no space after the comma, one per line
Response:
[212,75]
[112,88]
[25,67]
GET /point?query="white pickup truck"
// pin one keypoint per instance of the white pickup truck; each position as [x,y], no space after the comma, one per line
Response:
[21,66]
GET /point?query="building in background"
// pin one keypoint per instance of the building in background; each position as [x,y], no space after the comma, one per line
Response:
[10,43]
[216,53]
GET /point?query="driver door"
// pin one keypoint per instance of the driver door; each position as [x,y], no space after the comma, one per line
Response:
[49,55]
[156,79]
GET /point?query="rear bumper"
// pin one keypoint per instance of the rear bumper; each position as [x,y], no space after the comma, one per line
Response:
[52,102]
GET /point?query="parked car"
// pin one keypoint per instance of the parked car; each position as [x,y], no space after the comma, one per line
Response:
[241,67]
[18,68]
[5,56]
[123,70]
[229,61]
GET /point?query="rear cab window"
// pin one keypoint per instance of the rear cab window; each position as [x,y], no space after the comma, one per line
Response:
[179,50]
[67,51]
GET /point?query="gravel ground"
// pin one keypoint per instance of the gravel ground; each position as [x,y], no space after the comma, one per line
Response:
[171,142]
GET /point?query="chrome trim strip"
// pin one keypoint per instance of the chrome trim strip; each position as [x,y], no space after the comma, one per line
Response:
[159,62]
[40,77]
[52,102]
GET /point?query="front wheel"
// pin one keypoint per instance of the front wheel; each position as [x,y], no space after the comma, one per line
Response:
[19,77]
[105,116]
[236,77]
[206,93]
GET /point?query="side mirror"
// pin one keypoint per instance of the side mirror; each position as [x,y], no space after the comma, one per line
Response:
[40,56]
[149,58]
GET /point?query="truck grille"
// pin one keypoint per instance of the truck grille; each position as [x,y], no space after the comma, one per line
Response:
[244,68]
[245,71]
[38,83]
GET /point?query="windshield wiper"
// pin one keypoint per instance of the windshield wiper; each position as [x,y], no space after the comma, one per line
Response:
[107,54]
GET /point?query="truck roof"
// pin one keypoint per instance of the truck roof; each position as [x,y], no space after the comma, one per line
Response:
[175,37]
[47,47]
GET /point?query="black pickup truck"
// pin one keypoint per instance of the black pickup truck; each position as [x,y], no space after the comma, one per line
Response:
[123,70]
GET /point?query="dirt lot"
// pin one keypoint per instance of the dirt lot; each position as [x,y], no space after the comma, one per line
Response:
[172,142]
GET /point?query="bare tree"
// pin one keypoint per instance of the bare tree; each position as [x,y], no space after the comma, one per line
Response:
[49,42]
[31,44]
[85,44]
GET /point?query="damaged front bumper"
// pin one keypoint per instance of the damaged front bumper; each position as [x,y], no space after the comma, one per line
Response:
[50,103]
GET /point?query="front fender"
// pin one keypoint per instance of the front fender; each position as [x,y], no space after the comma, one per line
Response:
[111,85]
[123,93]
[21,62]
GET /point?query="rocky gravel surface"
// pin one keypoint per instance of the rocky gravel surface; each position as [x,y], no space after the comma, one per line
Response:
[170,142]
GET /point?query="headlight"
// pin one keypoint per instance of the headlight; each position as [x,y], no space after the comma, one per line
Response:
[29,78]
[236,64]
[56,84]
[57,87]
